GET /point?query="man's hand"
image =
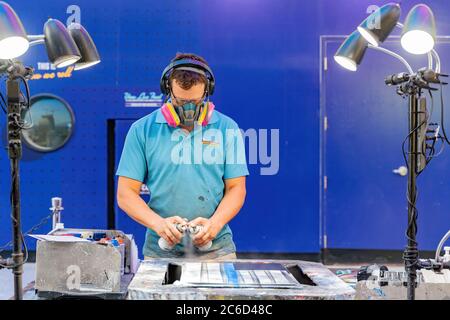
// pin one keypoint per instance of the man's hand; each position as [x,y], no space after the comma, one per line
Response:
[209,232]
[167,230]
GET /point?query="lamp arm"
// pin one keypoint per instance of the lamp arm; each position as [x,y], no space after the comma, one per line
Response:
[430,60]
[35,37]
[395,55]
[441,244]
[438,60]
[37,42]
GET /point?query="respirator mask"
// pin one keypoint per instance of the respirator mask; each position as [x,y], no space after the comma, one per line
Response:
[188,113]
[188,110]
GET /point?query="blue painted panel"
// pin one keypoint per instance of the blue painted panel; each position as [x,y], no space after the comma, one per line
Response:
[122,220]
[365,205]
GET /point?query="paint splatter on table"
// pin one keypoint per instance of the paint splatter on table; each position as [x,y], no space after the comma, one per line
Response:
[148,284]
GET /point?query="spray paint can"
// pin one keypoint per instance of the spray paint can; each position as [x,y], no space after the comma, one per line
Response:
[164,245]
[196,229]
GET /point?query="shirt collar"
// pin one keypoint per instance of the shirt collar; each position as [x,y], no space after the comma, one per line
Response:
[160,118]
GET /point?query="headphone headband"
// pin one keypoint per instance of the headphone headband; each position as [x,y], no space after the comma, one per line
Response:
[190,65]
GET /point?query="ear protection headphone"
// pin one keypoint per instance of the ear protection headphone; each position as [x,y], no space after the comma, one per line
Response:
[206,110]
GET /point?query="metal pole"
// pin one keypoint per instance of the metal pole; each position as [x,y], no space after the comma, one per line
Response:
[411,252]
[15,153]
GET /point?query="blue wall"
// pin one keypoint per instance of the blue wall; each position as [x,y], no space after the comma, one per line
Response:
[265,55]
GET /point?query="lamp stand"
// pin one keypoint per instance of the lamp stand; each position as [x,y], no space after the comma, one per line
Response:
[411,86]
[15,104]
[15,153]
[411,253]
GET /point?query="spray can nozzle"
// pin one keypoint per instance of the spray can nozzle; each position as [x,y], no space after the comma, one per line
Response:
[184,228]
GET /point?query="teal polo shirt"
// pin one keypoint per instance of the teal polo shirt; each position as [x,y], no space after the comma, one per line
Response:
[185,173]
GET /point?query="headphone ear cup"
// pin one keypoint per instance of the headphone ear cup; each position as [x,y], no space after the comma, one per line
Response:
[169,113]
[163,85]
[167,86]
[211,87]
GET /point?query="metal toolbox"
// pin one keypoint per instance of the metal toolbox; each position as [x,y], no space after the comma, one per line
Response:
[83,268]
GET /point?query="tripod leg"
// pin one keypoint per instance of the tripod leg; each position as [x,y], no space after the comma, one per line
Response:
[411,252]
[15,153]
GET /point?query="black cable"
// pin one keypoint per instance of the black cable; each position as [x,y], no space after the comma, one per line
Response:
[424,144]
[32,229]
[410,255]
[442,115]
[432,150]
[406,138]
[14,177]
[25,248]
[439,137]
[441,149]
[3,103]
[27,89]
[432,154]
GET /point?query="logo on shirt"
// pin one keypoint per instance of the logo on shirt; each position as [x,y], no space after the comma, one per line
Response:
[211,143]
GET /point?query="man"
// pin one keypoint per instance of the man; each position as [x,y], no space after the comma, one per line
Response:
[193,164]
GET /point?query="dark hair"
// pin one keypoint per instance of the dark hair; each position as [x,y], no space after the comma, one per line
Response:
[186,79]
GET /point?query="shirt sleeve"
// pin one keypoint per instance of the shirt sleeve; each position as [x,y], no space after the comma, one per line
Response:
[235,159]
[132,162]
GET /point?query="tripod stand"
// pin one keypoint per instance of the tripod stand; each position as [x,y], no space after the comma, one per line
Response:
[411,86]
[15,105]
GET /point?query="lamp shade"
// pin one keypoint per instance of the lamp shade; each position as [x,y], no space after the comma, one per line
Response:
[13,38]
[351,52]
[377,27]
[88,50]
[419,30]
[61,48]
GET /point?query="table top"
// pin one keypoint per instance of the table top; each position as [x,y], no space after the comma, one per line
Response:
[147,284]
